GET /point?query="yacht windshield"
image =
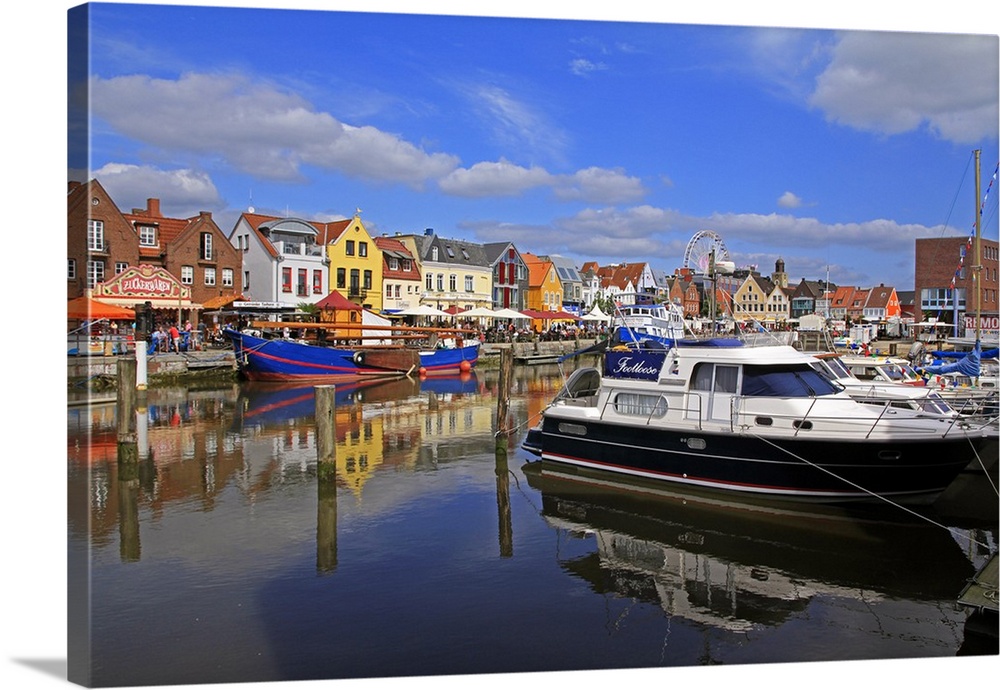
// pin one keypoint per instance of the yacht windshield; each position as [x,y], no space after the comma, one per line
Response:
[786,381]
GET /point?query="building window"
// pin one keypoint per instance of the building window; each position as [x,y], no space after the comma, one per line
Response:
[206,246]
[349,248]
[368,280]
[227,277]
[341,278]
[147,236]
[209,276]
[246,280]
[71,270]
[452,283]
[933,299]
[120,266]
[95,235]
[95,273]
[317,282]
[362,249]
[429,283]
[407,265]
[300,285]
[355,288]
[440,282]
[393,263]
[469,284]
[398,290]
[388,290]
[434,253]
[286,279]
[187,275]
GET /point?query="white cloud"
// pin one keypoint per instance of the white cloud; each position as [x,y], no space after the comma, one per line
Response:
[891,83]
[789,200]
[255,128]
[599,185]
[503,178]
[184,192]
[514,124]
[493,179]
[583,67]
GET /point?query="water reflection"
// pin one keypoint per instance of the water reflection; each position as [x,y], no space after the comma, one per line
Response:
[257,436]
[429,542]
[740,566]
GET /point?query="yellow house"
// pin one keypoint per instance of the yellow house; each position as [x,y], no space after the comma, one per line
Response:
[355,262]
[545,290]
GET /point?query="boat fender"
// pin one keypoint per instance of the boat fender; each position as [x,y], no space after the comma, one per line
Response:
[359,358]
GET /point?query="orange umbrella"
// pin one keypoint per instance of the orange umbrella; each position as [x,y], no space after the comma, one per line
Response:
[86,308]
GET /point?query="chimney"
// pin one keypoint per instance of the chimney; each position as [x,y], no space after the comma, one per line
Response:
[153,208]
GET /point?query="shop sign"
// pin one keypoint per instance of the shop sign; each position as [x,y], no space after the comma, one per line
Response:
[146,282]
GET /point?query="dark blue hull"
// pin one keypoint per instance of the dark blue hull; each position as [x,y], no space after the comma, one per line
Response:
[913,471]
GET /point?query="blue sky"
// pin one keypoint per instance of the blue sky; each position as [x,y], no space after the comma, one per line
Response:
[600,140]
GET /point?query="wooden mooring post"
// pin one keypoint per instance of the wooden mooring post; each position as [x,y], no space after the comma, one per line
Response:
[128,446]
[326,475]
[503,398]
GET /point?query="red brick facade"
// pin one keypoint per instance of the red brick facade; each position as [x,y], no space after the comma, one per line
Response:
[936,263]
[116,243]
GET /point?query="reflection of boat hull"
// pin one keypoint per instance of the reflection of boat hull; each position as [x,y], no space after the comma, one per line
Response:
[260,359]
[822,548]
[267,403]
[444,385]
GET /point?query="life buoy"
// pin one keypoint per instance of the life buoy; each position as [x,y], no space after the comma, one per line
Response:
[359,358]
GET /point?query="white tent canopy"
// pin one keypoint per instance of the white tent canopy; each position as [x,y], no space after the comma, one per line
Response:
[508,313]
[423,310]
[596,314]
[477,312]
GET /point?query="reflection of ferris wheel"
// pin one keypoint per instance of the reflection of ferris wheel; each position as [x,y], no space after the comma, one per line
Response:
[700,248]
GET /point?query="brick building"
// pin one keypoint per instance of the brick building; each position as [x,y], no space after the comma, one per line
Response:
[194,250]
[100,241]
[944,278]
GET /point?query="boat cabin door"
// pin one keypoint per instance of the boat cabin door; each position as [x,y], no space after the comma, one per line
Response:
[715,385]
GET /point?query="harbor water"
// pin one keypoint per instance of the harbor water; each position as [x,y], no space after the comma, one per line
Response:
[227,559]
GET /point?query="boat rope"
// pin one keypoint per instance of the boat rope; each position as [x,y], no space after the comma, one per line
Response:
[983,467]
[952,531]
[517,427]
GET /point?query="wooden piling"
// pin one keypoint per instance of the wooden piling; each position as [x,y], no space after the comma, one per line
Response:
[128,447]
[326,476]
[326,431]
[503,398]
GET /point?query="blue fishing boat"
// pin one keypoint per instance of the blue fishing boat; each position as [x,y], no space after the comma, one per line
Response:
[281,359]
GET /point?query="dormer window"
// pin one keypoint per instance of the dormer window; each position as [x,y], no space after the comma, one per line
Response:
[147,235]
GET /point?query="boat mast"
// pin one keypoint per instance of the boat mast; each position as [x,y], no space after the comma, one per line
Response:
[977,269]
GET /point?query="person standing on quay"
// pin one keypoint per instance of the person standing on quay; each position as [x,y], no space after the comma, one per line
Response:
[175,338]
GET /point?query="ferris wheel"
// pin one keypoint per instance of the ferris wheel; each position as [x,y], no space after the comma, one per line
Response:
[700,248]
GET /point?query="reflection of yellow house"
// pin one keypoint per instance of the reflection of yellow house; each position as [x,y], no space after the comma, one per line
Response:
[359,447]
[355,262]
